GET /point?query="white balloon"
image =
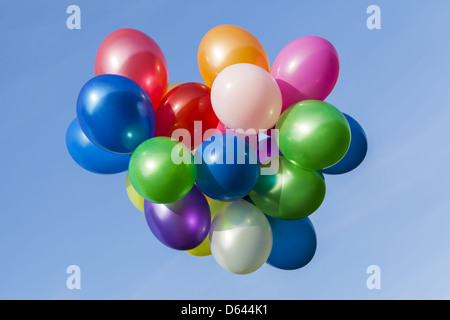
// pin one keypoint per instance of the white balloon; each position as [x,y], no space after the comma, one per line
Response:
[240,237]
[245,96]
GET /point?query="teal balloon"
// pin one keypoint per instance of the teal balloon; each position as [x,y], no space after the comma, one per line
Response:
[290,192]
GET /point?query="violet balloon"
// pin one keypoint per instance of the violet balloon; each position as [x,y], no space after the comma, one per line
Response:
[267,147]
[181,225]
[306,69]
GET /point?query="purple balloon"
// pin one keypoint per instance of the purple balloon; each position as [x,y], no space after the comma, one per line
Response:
[306,69]
[180,225]
[267,147]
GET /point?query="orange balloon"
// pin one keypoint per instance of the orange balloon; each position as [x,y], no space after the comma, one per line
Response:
[226,45]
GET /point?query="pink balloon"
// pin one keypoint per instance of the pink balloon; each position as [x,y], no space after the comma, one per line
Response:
[245,96]
[306,69]
[133,54]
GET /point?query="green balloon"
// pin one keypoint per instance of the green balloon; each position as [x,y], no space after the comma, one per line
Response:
[290,193]
[313,134]
[159,177]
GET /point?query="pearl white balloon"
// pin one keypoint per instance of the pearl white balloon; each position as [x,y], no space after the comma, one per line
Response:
[240,237]
[245,96]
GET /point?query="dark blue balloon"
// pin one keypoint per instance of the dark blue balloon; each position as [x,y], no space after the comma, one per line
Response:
[115,113]
[294,243]
[90,157]
[356,152]
[227,167]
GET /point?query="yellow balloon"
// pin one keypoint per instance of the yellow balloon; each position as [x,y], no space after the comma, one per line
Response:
[203,249]
[173,85]
[135,198]
[226,45]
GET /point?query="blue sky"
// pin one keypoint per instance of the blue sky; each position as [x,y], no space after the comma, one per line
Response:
[392,211]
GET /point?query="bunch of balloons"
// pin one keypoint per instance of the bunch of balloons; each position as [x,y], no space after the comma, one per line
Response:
[194,169]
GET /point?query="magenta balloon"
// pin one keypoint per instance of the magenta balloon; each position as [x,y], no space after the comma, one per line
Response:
[181,225]
[306,69]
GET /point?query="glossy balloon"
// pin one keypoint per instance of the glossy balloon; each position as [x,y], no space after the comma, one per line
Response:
[156,176]
[181,225]
[227,167]
[134,197]
[115,113]
[356,152]
[290,193]
[241,238]
[187,107]
[90,157]
[133,54]
[204,248]
[314,134]
[245,96]
[226,45]
[294,243]
[306,69]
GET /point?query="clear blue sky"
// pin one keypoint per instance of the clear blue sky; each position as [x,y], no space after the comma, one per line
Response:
[393,211]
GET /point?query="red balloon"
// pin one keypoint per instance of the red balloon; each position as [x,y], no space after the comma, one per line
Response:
[221,128]
[181,107]
[133,54]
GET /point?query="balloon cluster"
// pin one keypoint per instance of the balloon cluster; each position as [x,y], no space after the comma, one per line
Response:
[196,154]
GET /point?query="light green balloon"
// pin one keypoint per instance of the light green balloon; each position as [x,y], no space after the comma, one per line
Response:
[290,193]
[240,237]
[156,176]
[313,134]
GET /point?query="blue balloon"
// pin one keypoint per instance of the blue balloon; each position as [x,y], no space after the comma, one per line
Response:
[227,167]
[90,157]
[356,152]
[115,113]
[294,243]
